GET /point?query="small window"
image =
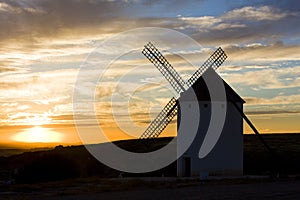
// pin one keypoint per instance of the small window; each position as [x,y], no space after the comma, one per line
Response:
[190,105]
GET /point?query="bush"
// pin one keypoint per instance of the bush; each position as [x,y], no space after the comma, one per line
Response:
[48,167]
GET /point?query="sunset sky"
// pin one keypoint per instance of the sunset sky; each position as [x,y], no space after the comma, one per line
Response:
[43,44]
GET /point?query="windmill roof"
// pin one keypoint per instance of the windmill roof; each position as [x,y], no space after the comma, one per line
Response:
[201,90]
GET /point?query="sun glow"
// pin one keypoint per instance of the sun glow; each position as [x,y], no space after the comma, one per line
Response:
[38,134]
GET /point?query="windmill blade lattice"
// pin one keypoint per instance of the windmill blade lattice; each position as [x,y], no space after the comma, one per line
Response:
[214,61]
[170,110]
[161,63]
[162,120]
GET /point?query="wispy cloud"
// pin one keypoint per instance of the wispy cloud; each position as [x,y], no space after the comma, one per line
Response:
[244,24]
[292,99]
[262,13]
[267,78]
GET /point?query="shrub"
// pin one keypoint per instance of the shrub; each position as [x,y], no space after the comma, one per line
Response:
[48,167]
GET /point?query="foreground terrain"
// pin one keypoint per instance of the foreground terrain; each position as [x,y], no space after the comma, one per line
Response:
[159,188]
[72,173]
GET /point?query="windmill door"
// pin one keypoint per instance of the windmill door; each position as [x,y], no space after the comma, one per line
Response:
[187,166]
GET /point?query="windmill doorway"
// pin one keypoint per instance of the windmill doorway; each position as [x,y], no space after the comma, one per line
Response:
[186,166]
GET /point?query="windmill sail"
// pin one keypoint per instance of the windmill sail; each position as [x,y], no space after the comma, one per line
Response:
[214,61]
[161,63]
[162,120]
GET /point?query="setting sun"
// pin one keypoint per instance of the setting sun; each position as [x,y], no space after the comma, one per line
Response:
[38,134]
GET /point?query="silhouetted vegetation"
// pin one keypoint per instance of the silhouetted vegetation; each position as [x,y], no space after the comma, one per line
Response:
[76,162]
[257,160]
[50,167]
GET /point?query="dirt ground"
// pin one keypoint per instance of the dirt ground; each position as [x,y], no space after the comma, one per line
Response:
[283,190]
[288,189]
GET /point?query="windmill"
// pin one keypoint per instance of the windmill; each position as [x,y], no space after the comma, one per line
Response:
[227,156]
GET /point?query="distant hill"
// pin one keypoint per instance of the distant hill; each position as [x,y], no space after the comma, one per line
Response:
[5,152]
[75,161]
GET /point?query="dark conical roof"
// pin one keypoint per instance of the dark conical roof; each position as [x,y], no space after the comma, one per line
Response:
[201,90]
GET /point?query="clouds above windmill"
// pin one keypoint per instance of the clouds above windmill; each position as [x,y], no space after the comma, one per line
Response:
[262,13]
[75,24]
[243,25]
[33,20]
